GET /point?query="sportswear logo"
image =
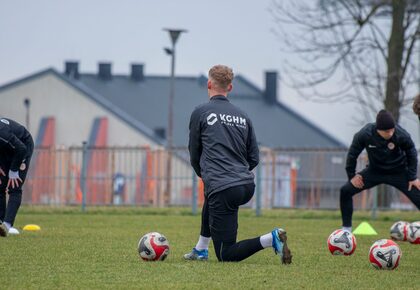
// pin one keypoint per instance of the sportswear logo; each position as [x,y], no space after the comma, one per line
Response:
[233,119]
[371,146]
[413,230]
[211,119]
[5,121]
[386,256]
[344,238]
[227,120]
[391,146]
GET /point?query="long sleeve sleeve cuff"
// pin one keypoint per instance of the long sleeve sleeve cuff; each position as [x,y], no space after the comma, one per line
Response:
[13,174]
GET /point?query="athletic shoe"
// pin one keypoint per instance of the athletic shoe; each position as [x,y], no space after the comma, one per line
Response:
[3,230]
[200,255]
[13,231]
[280,245]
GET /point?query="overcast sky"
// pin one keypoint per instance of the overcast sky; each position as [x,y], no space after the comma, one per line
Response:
[35,35]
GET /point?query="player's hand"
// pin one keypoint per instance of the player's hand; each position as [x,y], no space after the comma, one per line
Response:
[415,183]
[13,179]
[357,181]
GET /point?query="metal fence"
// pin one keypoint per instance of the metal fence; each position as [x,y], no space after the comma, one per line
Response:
[285,178]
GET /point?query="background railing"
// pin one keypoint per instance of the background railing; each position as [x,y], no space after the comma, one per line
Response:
[285,178]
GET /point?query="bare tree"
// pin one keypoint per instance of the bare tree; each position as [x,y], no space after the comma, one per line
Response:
[365,46]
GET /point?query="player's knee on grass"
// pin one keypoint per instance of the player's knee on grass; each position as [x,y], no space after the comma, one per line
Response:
[220,248]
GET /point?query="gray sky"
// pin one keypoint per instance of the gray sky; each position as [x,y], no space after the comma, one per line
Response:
[35,35]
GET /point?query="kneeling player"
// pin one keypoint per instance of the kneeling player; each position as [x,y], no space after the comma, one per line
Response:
[223,151]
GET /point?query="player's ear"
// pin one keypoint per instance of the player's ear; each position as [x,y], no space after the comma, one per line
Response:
[230,87]
[209,84]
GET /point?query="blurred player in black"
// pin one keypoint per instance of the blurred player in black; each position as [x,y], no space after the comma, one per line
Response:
[392,160]
[16,147]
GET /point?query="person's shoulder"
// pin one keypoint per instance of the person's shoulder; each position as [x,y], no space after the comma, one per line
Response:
[4,128]
[367,130]
[238,111]
[5,124]
[201,108]
[401,132]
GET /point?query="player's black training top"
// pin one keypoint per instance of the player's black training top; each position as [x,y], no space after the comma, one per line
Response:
[14,142]
[223,148]
[385,156]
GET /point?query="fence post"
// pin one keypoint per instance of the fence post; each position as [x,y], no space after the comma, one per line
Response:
[258,192]
[83,174]
[194,193]
[375,202]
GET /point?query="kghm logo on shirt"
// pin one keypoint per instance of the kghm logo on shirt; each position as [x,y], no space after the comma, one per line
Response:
[227,120]
[211,119]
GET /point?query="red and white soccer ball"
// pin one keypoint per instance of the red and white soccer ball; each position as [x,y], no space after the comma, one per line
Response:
[399,230]
[341,242]
[153,247]
[385,254]
[413,233]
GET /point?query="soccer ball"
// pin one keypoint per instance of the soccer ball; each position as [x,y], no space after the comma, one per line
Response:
[153,247]
[385,254]
[413,233]
[399,231]
[341,242]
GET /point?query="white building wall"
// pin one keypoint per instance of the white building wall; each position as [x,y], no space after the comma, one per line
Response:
[74,113]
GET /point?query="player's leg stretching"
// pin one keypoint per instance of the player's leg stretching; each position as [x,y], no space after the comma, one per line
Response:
[3,228]
[223,208]
[347,192]
[400,181]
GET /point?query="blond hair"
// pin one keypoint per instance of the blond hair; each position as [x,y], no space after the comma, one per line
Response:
[221,76]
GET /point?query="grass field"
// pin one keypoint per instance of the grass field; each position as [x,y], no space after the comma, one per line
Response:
[98,249]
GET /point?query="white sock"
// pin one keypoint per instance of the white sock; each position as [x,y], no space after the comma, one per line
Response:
[203,243]
[347,229]
[266,240]
[8,226]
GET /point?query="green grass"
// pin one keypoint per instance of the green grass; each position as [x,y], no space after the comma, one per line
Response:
[98,250]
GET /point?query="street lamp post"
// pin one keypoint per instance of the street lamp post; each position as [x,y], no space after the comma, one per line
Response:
[174,35]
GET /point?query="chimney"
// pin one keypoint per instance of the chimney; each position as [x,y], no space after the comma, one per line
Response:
[137,72]
[270,94]
[160,132]
[71,69]
[202,81]
[104,71]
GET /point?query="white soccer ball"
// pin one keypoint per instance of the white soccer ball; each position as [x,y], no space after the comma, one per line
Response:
[153,247]
[385,254]
[413,233]
[341,242]
[398,231]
